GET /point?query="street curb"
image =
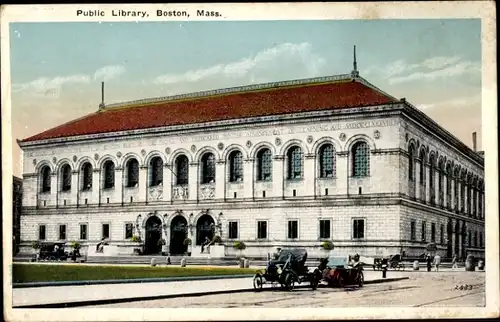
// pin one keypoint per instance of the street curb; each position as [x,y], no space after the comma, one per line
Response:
[127,281]
[169,296]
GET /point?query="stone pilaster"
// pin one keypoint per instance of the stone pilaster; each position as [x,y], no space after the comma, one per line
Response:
[118,185]
[143,183]
[220,179]
[54,190]
[309,175]
[167,182]
[74,187]
[194,180]
[416,178]
[278,176]
[248,178]
[343,173]
[96,186]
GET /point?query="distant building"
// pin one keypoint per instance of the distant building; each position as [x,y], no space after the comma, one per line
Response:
[292,163]
[17,196]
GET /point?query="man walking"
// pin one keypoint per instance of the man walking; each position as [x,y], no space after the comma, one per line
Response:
[437,262]
[454,262]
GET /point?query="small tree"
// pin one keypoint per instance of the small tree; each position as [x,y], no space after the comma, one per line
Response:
[239,245]
[136,239]
[75,245]
[327,245]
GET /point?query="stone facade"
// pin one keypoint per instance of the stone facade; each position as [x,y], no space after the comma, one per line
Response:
[371,213]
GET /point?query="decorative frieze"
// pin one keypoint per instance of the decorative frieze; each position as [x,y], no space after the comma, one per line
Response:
[180,192]
[207,191]
[155,193]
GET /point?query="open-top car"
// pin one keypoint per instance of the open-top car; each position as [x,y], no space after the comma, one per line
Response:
[289,268]
[392,262]
[342,271]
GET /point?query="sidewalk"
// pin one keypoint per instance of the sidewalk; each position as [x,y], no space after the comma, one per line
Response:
[67,296]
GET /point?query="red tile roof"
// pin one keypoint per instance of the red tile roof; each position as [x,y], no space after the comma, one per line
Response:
[263,102]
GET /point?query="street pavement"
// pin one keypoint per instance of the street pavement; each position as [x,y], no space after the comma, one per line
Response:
[422,289]
[52,295]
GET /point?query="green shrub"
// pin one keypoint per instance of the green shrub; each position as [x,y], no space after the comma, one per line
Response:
[75,245]
[136,238]
[162,242]
[216,240]
[239,245]
[327,245]
[187,242]
[36,244]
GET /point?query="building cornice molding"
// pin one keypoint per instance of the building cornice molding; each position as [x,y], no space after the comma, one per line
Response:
[351,113]
[431,128]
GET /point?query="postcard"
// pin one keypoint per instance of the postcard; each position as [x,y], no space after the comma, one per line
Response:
[250,161]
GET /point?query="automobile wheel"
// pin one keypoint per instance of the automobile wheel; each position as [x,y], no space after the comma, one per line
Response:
[340,281]
[257,282]
[361,279]
[289,282]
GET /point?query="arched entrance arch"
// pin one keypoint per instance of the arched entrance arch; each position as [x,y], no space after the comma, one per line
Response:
[153,235]
[205,228]
[178,233]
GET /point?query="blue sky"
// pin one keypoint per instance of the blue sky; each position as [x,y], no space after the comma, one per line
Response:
[58,67]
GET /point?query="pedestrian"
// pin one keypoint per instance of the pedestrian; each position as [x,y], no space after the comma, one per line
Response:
[454,262]
[205,243]
[168,259]
[437,262]
[429,262]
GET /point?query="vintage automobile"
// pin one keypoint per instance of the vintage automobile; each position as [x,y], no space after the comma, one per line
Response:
[391,262]
[342,271]
[289,268]
[48,251]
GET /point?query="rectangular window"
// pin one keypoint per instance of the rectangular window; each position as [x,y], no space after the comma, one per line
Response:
[324,229]
[41,232]
[358,228]
[441,234]
[475,239]
[433,232]
[105,230]
[62,232]
[262,230]
[469,234]
[233,229]
[293,229]
[424,230]
[129,230]
[413,230]
[83,231]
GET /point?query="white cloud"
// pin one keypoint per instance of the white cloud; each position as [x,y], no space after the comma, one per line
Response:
[461,68]
[458,102]
[288,54]
[52,87]
[429,69]
[108,72]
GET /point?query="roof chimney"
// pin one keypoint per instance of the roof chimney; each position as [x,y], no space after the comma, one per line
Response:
[474,141]
[102,96]
[354,72]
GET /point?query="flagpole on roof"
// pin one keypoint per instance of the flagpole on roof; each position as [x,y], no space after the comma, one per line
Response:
[354,72]
[102,96]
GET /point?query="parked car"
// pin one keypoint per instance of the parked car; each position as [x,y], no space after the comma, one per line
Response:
[48,251]
[342,271]
[289,268]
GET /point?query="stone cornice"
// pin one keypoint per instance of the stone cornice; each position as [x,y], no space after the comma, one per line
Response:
[431,128]
[384,110]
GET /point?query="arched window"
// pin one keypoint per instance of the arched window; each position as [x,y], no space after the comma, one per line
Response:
[411,163]
[456,181]
[469,194]
[327,161]
[294,157]
[432,171]
[109,174]
[462,192]
[474,197]
[264,165]
[45,178]
[480,199]
[132,173]
[156,172]
[422,174]
[182,170]
[235,166]
[208,168]
[360,159]
[65,177]
[449,178]
[87,176]
[441,181]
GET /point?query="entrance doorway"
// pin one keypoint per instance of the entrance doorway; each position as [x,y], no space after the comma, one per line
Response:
[204,229]
[178,233]
[153,235]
